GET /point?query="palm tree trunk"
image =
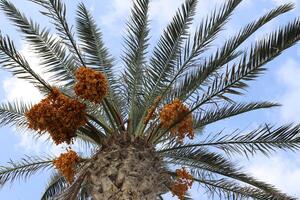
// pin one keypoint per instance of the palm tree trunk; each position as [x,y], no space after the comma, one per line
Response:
[127,169]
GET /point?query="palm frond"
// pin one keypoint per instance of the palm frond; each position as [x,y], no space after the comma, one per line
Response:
[53,55]
[165,55]
[265,139]
[200,158]
[205,34]
[209,116]
[96,54]
[250,65]
[87,139]
[13,61]
[91,134]
[12,113]
[198,44]
[136,44]
[56,186]
[227,189]
[75,189]
[23,169]
[56,11]
[225,54]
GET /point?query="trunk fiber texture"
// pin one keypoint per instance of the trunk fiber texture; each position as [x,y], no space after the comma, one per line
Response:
[127,169]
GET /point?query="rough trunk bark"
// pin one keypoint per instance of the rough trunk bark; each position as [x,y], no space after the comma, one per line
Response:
[127,169]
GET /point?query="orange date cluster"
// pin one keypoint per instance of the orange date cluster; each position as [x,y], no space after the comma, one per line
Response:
[59,115]
[66,164]
[175,111]
[183,182]
[91,85]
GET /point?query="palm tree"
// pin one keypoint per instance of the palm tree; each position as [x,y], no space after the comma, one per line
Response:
[143,124]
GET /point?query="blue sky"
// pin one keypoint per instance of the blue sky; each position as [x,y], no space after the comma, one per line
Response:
[280,84]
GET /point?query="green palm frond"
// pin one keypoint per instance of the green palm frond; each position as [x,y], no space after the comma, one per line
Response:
[211,115]
[56,11]
[24,168]
[53,55]
[56,186]
[251,65]
[165,54]
[206,33]
[200,158]
[96,54]
[76,189]
[265,139]
[227,189]
[190,54]
[202,39]
[228,52]
[136,44]
[88,137]
[12,113]
[13,61]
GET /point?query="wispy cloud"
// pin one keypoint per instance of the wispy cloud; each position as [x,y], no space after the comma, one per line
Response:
[288,77]
[280,170]
[18,89]
[160,13]
[29,144]
[117,11]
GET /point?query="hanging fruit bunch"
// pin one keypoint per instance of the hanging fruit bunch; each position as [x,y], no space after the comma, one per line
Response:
[61,116]
[58,115]
[172,112]
[168,116]
[66,164]
[91,85]
[183,182]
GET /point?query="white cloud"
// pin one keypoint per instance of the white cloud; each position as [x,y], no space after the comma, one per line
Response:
[160,12]
[17,89]
[20,89]
[282,171]
[119,10]
[288,76]
[31,145]
[163,11]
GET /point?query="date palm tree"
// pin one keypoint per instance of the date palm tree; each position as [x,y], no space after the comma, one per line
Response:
[144,122]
